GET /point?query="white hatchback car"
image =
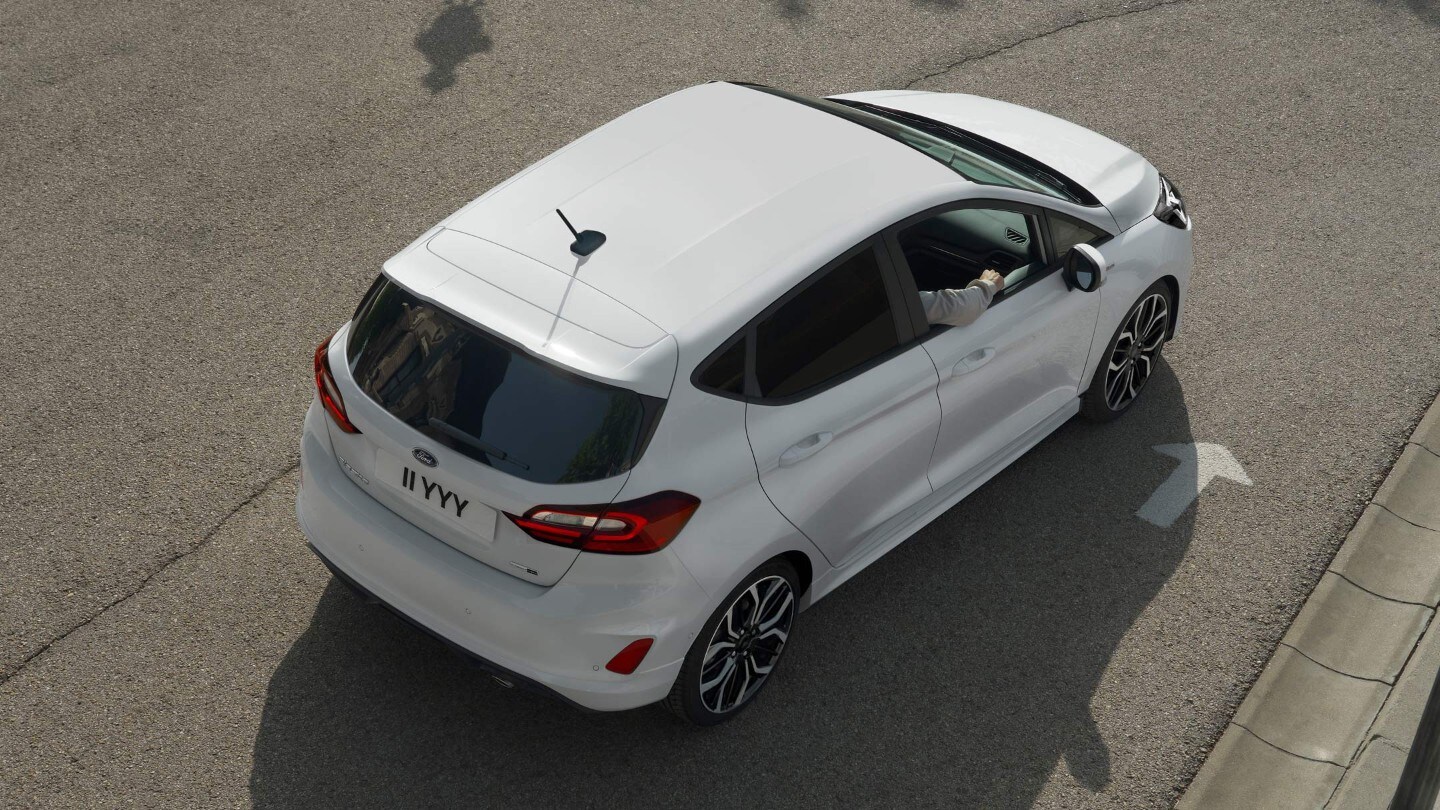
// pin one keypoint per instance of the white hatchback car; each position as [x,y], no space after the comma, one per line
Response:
[614,465]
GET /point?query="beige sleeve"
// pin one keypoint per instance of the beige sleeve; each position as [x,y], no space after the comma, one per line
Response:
[957,307]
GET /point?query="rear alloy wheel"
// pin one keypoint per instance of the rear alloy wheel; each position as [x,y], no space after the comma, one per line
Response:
[738,648]
[1131,357]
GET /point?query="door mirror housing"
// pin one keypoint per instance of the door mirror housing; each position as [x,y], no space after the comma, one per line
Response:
[1084,268]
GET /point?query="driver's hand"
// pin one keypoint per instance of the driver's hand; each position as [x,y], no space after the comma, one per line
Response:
[994,278]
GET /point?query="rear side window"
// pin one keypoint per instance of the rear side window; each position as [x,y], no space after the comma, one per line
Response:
[727,371]
[837,323]
[472,392]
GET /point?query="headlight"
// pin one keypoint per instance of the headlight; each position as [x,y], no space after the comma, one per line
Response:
[1171,207]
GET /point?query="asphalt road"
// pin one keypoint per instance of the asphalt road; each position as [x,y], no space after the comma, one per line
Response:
[194,196]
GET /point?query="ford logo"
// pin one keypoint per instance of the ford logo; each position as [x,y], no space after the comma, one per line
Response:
[424,457]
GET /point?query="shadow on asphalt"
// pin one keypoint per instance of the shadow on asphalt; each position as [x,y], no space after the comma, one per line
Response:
[1427,10]
[792,9]
[456,34]
[959,669]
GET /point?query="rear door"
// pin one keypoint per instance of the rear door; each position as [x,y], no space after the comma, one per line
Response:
[459,426]
[841,412]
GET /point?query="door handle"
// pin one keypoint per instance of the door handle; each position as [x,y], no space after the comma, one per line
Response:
[805,448]
[975,360]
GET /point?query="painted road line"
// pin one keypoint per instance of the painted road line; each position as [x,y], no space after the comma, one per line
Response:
[1200,463]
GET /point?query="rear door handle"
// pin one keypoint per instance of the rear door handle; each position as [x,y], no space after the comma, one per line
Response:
[975,360]
[805,448]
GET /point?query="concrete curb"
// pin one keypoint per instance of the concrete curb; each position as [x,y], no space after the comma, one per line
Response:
[1331,718]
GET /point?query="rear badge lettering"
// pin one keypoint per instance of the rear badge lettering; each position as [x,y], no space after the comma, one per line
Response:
[408,478]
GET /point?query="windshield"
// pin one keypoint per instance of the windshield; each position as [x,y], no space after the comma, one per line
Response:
[968,155]
[474,393]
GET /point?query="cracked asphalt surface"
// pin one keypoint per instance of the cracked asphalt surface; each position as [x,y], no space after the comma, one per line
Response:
[195,197]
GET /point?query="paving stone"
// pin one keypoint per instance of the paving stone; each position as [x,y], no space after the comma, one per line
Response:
[1400,716]
[1351,630]
[1428,433]
[1371,782]
[1243,772]
[1413,489]
[1390,557]
[1308,710]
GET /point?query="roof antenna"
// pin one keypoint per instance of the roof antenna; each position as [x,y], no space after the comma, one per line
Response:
[586,242]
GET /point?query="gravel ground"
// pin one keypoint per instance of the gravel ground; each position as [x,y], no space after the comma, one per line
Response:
[195,197]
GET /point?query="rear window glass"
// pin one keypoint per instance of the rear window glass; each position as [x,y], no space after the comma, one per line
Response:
[474,393]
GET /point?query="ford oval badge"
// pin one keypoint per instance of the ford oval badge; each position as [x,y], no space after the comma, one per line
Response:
[424,457]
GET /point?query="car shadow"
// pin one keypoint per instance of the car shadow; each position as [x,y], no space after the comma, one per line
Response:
[959,669]
[1428,11]
[453,36]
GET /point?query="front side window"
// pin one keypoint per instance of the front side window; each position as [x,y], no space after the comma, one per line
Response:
[836,324]
[472,392]
[1068,233]
[952,248]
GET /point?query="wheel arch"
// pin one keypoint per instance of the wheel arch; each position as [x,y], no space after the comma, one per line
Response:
[1173,284]
[804,569]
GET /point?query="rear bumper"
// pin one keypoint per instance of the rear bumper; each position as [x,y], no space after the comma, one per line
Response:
[511,679]
[555,640]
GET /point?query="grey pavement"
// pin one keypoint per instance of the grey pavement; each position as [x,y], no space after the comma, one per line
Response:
[1340,701]
[195,196]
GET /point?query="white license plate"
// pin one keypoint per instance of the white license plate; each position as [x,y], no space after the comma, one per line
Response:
[437,492]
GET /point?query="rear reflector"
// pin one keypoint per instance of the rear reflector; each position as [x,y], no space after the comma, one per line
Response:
[329,393]
[629,658]
[633,527]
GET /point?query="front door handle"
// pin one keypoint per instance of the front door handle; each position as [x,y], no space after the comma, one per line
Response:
[975,360]
[805,448]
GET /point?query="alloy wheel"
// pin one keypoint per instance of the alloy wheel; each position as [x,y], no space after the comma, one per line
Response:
[1136,349]
[746,644]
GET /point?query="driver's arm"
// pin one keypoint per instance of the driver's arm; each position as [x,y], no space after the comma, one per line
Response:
[961,307]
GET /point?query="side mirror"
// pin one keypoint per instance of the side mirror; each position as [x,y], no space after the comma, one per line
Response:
[1084,268]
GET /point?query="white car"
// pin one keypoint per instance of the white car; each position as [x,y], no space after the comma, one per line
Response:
[613,462]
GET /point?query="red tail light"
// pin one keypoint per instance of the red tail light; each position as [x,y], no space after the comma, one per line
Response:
[629,658]
[634,527]
[329,394]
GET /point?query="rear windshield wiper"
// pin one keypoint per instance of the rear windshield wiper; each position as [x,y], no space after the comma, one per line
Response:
[473,441]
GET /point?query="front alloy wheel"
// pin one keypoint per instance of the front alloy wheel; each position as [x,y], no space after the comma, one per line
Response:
[738,648]
[1132,356]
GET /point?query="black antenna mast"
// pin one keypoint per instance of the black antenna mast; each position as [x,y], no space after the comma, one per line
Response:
[586,242]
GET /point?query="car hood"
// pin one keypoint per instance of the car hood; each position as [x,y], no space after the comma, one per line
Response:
[1124,182]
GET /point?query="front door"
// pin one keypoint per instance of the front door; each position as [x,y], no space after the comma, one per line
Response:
[1020,361]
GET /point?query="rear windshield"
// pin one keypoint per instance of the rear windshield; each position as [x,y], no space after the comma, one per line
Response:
[474,393]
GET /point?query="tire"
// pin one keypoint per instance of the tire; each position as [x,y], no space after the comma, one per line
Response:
[1111,392]
[775,587]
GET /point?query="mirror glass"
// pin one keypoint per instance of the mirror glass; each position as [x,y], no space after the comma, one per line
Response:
[1085,279]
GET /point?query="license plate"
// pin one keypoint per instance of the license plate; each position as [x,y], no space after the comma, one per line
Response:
[438,493]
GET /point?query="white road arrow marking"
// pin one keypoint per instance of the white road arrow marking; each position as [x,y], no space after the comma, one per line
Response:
[1200,464]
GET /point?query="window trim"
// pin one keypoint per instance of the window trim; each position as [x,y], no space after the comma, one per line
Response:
[904,330]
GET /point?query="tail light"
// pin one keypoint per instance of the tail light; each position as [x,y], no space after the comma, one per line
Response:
[325,386]
[633,527]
